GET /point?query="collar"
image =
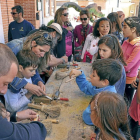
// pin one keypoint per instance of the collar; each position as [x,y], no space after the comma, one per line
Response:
[134,41]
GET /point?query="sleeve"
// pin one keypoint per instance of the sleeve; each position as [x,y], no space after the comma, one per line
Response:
[19,131]
[9,34]
[36,78]
[133,59]
[84,85]
[16,85]
[75,37]
[85,46]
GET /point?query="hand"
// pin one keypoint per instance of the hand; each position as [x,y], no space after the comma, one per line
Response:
[26,114]
[3,112]
[101,35]
[75,73]
[42,86]
[69,28]
[34,89]
[93,136]
[65,58]
[134,84]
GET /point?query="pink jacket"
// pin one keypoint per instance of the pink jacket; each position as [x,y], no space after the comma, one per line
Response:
[131,52]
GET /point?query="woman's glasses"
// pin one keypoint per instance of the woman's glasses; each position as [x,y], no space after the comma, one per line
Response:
[83,19]
[65,14]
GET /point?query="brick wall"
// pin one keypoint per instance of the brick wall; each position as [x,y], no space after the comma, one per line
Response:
[6,16]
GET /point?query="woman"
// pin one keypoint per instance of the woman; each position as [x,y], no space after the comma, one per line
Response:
[39,42]
[61,17]
[116,25]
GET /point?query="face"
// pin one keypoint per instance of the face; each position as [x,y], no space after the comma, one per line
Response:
[84,19]
[127,32]
[41,50]
[8,78]
[104,27]
[93,115]
[95,80]
[104,51]
[15,15]
[64,16]
[28,72]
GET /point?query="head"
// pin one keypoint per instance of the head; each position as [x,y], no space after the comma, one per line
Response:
[61,16]
[17,12]
[109,47]
[105,72]
[102,26]
[39,42]
[84,17]
[28,63]
[106,106]
[131,26]
[114,19]
[8,67]
[121,16]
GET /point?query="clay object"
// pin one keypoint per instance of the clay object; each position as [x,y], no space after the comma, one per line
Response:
[60,75]
[42,99]
[53,112]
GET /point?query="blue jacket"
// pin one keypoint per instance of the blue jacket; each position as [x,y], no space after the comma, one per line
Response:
[86,87]
[16,45]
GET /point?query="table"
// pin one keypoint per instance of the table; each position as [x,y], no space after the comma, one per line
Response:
[71,125]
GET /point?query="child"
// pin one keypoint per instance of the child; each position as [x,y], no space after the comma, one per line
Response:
[28,63]
[106,72]
[109,114]
[109,47]
[134,111]
[131,50]
[102,27]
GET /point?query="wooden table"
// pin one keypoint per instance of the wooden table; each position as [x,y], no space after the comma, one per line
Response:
[71,125]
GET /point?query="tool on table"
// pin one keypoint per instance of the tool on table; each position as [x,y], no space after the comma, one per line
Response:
[70,79]
[52,120]
[49,97]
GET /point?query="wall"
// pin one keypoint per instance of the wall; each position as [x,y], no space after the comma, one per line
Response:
[6,16]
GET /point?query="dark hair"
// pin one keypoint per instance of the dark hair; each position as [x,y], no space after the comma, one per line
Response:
[27,58]
[18,8]
[133,22]
[113,43]
[109,69]
[114,18]
[111,110]
[7,57]
[85,12]
[95,31]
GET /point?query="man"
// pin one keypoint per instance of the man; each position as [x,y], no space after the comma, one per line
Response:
[19,27]
[12,131]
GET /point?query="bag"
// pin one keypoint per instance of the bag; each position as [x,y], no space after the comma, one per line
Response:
[78,53]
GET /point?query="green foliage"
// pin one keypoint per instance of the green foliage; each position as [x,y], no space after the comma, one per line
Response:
[50,22]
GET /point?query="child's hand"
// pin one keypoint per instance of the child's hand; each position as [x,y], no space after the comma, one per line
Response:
[134,84]
[101,35]
[93,136]
[75,73]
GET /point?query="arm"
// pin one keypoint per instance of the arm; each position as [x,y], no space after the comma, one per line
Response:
[133,59]
[29,131]
[138,90]
[9,34]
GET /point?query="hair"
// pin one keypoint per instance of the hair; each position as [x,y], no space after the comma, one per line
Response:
[113,43]
[114,18]
[7,57]
[109,69]
[38,36]
[111,106]
[27,58]
[18,8]
[58,13]
[85,12]
[133,22]
[95,31]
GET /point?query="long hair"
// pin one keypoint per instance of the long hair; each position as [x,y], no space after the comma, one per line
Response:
[58,13]
[38,36]
[114,18]
[111,110]
[113,43]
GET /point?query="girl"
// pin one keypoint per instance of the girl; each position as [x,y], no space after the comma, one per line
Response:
[102,27]
[131,50]
[109,114]
[116,25]
[109,47]
[61,17]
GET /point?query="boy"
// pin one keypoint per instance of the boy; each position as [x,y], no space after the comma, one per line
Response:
[106,72]
[28,63]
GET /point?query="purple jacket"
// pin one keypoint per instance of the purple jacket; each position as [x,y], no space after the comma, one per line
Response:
[78,35]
